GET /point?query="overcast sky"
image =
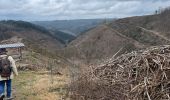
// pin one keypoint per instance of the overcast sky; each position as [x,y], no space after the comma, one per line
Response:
[32,10]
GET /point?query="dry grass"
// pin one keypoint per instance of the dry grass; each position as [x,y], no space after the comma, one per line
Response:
[38,86]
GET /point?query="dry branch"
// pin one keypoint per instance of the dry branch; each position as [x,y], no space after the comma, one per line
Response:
[139,75]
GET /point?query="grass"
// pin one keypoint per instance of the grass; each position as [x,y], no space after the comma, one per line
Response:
[39,86]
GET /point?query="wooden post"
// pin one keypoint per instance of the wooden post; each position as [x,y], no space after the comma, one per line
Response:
[51,70]
[20,53]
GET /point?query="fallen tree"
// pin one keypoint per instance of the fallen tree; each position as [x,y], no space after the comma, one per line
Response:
[139,75]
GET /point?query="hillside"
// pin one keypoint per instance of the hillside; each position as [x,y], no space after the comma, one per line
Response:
[33,36]
[63,37]
[41,46]
[22,26]
[155,25]
[128,33]
[101,42]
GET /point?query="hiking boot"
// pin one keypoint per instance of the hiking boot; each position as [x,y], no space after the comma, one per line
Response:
[2,96]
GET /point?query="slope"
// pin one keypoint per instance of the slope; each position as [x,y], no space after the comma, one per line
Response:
[101,42]
[34,36]
[128,33]
[63,37]
[146,29]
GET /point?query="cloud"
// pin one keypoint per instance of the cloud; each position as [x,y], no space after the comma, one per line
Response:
[76,9]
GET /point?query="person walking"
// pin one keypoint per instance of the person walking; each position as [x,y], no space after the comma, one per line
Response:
[7,71]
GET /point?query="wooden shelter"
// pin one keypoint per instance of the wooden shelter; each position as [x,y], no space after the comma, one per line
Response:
[18,46]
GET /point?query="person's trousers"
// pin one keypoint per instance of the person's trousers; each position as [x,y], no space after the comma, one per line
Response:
[8,87]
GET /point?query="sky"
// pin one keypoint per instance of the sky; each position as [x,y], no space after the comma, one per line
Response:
[41,10]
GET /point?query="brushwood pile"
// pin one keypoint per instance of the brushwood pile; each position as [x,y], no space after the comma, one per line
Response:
[139,75]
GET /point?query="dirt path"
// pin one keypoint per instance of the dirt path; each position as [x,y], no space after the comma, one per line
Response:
[154,32]
[40,86]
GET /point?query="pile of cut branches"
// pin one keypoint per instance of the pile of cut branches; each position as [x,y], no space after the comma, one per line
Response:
[139,75]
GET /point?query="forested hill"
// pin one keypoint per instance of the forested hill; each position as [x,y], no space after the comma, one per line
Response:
[126,34]
[31,34]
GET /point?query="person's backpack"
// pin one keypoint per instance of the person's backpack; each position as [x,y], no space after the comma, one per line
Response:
[5,68]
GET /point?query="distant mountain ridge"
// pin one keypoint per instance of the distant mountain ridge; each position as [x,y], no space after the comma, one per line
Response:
[73,27]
